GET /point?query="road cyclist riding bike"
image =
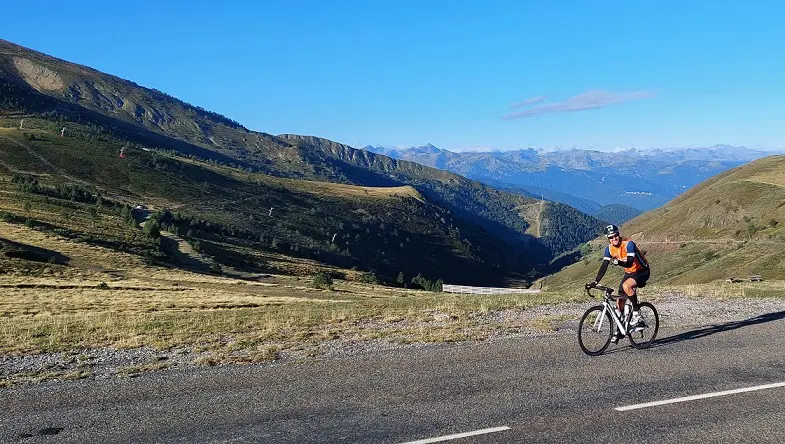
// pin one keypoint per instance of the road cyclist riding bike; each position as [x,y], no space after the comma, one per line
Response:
[600,323]
[623,252]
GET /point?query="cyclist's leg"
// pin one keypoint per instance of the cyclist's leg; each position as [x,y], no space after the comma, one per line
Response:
[625,292]
[631,284]
[629,287]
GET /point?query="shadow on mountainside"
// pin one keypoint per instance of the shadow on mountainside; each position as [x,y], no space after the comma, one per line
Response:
[19,250]
[181,251]
[719,328]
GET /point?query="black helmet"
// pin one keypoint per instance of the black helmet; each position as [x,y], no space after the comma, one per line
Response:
[610,230]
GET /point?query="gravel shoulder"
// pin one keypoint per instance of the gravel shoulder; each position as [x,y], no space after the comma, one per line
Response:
[677,314]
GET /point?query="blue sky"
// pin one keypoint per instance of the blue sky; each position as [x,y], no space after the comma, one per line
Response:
[462,75]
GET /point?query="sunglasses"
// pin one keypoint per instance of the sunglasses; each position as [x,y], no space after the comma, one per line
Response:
[613,236]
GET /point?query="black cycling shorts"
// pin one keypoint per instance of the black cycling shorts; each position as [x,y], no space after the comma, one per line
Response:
[640,277]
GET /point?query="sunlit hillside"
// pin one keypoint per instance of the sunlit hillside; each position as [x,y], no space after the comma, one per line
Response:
[730,226]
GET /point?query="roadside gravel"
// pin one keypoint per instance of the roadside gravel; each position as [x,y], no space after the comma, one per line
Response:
[677,313]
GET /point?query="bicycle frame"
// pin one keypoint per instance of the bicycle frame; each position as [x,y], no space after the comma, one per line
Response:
[610,308]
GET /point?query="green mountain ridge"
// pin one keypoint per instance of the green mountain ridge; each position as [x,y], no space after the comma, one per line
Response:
[98,107]
[616,213]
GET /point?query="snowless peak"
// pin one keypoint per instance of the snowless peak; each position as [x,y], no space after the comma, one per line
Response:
[426,149]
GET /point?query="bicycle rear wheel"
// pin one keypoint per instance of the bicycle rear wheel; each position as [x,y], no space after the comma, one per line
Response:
[651,321]
[594,331]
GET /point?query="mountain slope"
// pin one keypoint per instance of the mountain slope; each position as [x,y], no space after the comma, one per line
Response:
[732,225]
[93,107]
[244,220]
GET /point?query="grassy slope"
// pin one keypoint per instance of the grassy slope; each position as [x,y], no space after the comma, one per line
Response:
[732,225]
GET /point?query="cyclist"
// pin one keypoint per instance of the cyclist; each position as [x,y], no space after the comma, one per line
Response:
[623,252]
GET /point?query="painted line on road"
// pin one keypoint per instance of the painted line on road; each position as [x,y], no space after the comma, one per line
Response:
[459,435]
[695,397]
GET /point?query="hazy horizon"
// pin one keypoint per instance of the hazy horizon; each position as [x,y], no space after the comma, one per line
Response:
[557,149]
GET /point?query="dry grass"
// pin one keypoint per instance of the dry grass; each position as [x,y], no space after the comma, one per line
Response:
[333,189]
[45,319]
[68,308]
[316,187]
[723,290]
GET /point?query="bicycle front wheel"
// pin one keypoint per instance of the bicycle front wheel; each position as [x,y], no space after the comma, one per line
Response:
[594,331]
[651,325]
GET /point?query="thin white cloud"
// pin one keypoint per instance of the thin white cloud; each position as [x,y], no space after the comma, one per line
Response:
[589,100]
[529,102]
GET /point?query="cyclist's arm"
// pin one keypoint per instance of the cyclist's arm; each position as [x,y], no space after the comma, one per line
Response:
[602,270]
[627,263]
[606,259]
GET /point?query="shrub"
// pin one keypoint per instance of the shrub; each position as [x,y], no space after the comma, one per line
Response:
[149,257]
[152,229]
[369,278]
[323,280]
[427,284]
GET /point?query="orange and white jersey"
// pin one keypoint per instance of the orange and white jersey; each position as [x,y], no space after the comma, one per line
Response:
[627,250]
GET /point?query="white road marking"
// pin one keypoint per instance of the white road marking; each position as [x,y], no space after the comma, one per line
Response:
[706,395]
[459,435]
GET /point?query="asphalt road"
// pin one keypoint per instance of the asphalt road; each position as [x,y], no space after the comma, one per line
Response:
[539,389]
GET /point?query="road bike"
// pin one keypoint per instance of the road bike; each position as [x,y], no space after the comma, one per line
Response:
[597,325]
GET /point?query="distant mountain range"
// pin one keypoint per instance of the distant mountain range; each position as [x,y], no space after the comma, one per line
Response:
[588,180]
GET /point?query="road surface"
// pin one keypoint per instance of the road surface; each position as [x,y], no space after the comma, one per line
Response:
[513,390]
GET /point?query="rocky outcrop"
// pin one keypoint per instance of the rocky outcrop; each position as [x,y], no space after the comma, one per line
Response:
[38,76]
